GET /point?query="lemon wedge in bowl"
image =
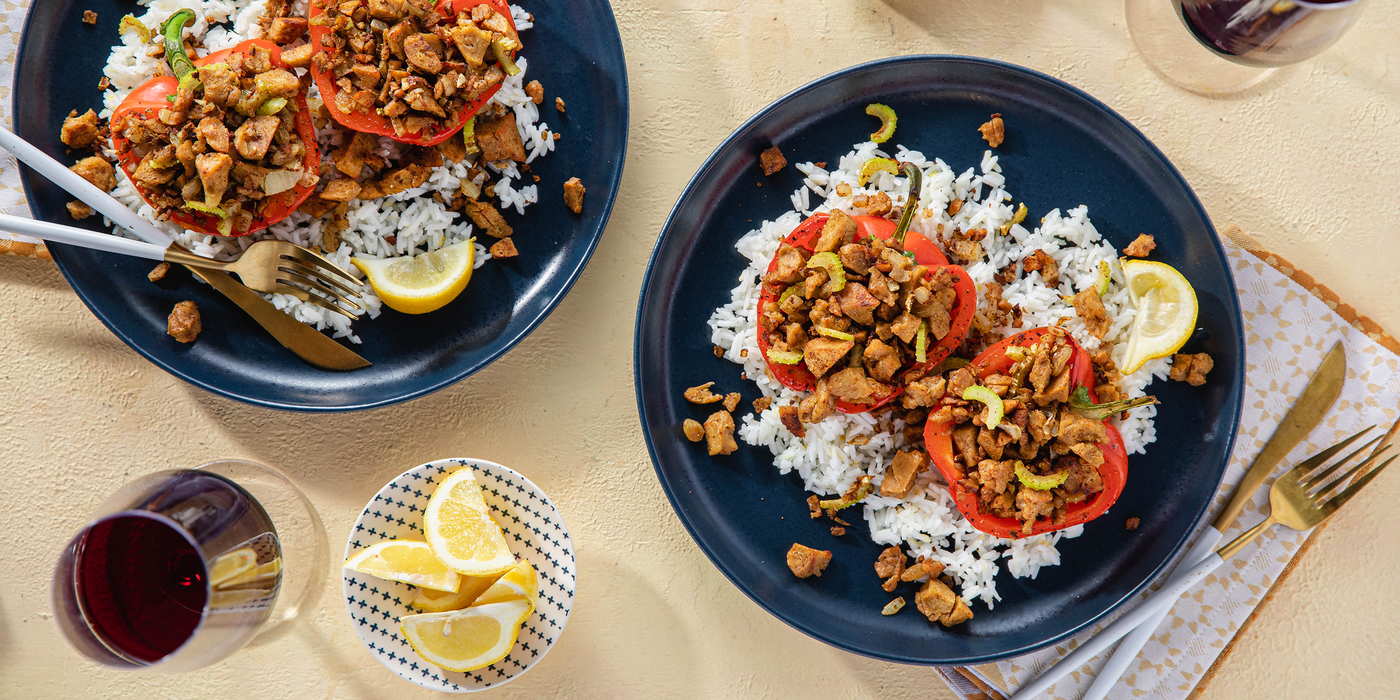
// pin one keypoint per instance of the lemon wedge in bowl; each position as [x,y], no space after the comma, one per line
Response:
[422,283]
[406,561]
[460,530]
[1166,311]
[472,588]
[466,640]
[520,583]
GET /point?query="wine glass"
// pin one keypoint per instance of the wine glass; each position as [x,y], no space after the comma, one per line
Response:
[1229,45]
[180,568]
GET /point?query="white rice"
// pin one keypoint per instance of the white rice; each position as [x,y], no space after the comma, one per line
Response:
[926,522]
[417,223]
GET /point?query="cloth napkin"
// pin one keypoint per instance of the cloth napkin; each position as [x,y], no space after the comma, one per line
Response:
[11,192]
[1290,322]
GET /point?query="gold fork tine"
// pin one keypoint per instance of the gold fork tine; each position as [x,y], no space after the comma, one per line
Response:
[1320,458]
[1330,490]
[298,277]
[299,268]
[1309,482]
[313,299]
[1340,499]
[307,257]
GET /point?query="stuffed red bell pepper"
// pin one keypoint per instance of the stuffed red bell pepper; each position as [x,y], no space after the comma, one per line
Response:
[414,70]
[856,309]
[1022,440]
[226,146]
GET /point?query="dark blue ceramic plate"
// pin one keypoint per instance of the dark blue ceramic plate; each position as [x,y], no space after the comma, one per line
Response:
[1063,148]
[574,50]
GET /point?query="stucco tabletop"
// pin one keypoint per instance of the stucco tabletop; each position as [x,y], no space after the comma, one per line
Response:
[1306,162]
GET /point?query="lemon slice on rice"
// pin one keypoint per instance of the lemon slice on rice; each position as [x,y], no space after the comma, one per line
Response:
[466,640]
[460,530]
[520,583]
[1166,311]
[406,561]
[422,283]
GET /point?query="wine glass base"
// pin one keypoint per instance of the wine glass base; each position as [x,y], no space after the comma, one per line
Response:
[1173,53]
[300,533]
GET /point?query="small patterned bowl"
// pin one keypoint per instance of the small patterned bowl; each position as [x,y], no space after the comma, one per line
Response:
[532,526]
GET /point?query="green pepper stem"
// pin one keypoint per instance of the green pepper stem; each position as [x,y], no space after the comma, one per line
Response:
[911,203]
[1079,401]
[173,30]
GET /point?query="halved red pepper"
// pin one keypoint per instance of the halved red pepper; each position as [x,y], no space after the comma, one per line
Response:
[938,439]
[374,123]
[926,253]
[151,97]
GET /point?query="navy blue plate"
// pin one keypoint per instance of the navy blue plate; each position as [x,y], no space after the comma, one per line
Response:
[574,49]
[1063,148]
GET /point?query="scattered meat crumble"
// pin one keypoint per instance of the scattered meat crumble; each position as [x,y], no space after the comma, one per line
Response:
[694,432]
[89,17]
[104,83]
[791,420]
[535,90]
[78,210]
[159,272]
[559,105]
[994,131]
[1046,265]
[701,394]
[1141,247]
[772,161]
[814,505]
[837,530]
[80,132]
[719,433]
[939,604]
[504,248]
[573,195]
[719,351]
[183,324]
[1191,369]
[805,561]
[1131,524]
[731,401]
[762,403]
[1089,305]
[890,566]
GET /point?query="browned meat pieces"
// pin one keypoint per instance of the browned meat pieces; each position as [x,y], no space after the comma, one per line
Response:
[939,604]
[858,303]
[1049,269]
[499,139]
[850,385]
[535,90]
[924,393]
[504,248]
[78,210]
[214,133]
[702,394]
[879,204]
[996,474]
[89,17]
[881,359]
[1075,429]
[158,273]
[1141,247]
[183,324]
[255,136]
[559,105]
[1131,524]
[299,57]
[97,171]
[81,132]
[839,230]
[401,179]
[221,84]
[899,477]
[342,190]
[488,219]
[965,439]
[1191,369]
[771,161]
[1057,391]
[805,561]
[213,169]
[421,54]
[731,401]
[350,156]
[719,433]
[821,354]
[789,266]
[762,403]
[573,195]
[285,30]
[960,380]
[819,405]
[1089,305]
[694,432]
[994,131]
[890,566]
[1032,504]
[788,415]
[924,567]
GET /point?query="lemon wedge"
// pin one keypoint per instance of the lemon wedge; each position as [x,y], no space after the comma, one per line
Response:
[460,530]
[520,583]
[465,640]
[271,569]
[1166,311]
[429,600]
[231,565]
[406,561]
[422,283]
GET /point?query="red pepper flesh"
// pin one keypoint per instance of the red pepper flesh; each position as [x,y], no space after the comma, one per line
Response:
[147,101]
[926,253]
[374,123]
[938,439]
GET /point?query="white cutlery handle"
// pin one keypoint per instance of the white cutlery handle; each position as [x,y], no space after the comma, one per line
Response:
[80,237]
[1135,640]
[85,191]
[1159,601]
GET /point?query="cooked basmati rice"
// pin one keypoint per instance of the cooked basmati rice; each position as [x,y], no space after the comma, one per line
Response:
[416,222]
[926,522]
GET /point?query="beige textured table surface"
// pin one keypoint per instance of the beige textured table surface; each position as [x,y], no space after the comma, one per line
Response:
[1307,163]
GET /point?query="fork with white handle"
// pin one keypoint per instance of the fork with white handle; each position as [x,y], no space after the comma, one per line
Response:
[1301,498]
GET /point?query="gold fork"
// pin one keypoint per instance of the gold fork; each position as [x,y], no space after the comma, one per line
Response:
[1301,498]
[279,267]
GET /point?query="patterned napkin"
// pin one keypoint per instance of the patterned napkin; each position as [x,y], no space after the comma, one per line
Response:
[11,193]
[1290,323]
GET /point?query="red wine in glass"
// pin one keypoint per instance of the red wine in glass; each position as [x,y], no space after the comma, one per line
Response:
[1268,33]
[178,570]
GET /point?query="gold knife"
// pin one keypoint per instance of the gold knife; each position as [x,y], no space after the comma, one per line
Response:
[1318,396]
[306,342]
